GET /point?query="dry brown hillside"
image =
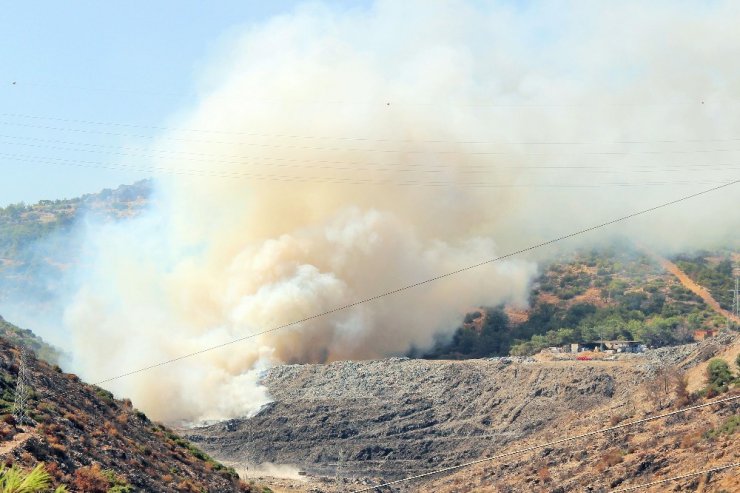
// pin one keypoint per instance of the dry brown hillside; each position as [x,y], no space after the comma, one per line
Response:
[698,440]
[375,421]
[92,442]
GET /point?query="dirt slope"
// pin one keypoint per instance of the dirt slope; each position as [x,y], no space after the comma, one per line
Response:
[695,441]
[92,442]
[367,421]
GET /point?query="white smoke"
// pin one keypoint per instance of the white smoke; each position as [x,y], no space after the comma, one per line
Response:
[355,152]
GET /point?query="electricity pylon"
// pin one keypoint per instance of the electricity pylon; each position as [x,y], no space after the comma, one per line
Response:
[21,389]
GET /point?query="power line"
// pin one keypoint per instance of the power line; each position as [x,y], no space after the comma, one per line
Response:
[352,166]
[548,444]
[420,283]
[354,139]
[220,142]
[199,172]
[676,478]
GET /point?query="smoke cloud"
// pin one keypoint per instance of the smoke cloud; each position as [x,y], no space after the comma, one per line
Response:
[335,155]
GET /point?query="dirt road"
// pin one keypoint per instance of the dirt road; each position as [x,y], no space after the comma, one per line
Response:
[13,443]
[698,290]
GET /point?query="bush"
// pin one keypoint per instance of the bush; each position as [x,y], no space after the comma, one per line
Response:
[544,475]
[689,440]
[718,374]
[105,395]
[683,397]
[609,459]
[90,479]
[727,428]
[93,479]
[143,417]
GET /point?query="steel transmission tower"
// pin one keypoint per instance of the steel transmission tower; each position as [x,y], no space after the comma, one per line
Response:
[21,389]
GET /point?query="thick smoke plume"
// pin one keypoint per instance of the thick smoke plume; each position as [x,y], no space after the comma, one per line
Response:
[337,155]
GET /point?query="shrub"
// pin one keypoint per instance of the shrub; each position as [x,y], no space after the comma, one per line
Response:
[544,475]
[90,479]
[141,416]
[727,428]
[609,459]
[110,429]
[105,395]
[689,440]
[93,479]
[59,449]
[683,397]
[718,375]
[75,420]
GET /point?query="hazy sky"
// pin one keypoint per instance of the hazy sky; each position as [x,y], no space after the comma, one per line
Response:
[119,61]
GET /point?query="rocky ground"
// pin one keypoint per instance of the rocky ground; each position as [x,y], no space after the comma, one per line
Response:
[93,443]
[634,456]
[373,420]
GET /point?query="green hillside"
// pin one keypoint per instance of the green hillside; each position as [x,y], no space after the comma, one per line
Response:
[26,338]
[614,293]
[39,242]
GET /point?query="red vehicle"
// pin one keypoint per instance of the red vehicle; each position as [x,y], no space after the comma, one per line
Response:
[584,357]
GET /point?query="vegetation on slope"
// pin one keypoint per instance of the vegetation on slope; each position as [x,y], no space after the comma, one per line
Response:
[26,338]
[92,442]
[713,272]
[22,224]
[616,293]
[37,242]
[684,443]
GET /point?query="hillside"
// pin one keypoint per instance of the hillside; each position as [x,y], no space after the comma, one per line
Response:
[621,292]
[26,338]
[21,224]
[699,440]
[715,271]
[38,242]
[347,424]
[369,422]
[92,442]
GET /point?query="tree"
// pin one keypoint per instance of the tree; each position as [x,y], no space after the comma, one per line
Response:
[718,374]
[494,337]
[465,340]
[667,382]
[658,332]
[682,390]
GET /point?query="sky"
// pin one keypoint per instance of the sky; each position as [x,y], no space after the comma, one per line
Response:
[134,62]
